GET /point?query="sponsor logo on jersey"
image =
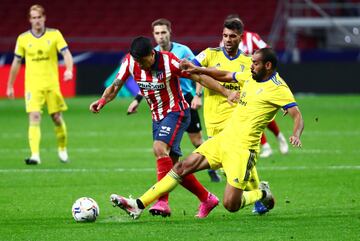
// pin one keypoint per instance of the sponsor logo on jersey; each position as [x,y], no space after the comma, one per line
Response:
[231,86]
[151,86]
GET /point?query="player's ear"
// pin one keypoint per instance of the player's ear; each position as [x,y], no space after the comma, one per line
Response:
[268,65]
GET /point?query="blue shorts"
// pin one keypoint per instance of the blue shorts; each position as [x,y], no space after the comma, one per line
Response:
[171,129]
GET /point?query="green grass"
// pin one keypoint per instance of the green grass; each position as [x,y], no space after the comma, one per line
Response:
[316,187]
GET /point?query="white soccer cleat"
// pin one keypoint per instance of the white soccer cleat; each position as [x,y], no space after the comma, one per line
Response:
[129,205]
[268,201]
[265,150]
[283,145]
[63,155]
[33,160]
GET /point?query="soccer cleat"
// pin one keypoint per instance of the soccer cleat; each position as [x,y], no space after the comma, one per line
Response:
[283,145]
[129,205]
[259,208]
[265,204]
[266,150]
[31,161]
[63,155]
[205,207]
[214,176]
[160,208]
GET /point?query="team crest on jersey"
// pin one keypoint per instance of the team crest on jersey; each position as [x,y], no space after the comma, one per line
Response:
[218,65]
[49,42]
[242,67]
[159,74]
[40,52]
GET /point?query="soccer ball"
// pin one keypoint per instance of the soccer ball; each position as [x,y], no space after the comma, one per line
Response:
[85,209]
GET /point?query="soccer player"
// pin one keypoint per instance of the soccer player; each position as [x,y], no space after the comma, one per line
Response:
[236,147]
[250,42]
[157,75]
[161,29]
[39,47]
[216,110]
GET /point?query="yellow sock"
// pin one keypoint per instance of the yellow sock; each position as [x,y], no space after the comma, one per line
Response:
[34,135]
[61,135]
[254,181]
[165,185]
[250,197]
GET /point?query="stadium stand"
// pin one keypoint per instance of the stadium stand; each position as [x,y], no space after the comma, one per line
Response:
[110,25]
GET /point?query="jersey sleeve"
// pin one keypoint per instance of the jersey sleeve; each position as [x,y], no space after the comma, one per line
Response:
[241,77]
[258,43]
[283,97]
[201,59]
[19,48]
[175,67]
[60,41]
[124,72]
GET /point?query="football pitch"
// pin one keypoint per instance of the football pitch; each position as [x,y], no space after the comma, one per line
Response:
[317,188]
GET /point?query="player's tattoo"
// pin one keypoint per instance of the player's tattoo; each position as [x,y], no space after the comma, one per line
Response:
[117,82]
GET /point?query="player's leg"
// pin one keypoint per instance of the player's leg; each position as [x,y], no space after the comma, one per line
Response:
[266,150]
[134,208]
[56,105]
[213,174]
[34,136]
[34,101]
[283,146]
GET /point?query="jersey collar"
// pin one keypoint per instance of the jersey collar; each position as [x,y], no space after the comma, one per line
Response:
[38,36]
[227,56]
[271,76]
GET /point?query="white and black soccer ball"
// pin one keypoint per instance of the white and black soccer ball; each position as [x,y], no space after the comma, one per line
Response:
[85,209]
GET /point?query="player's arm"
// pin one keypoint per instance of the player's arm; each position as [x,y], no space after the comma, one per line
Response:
[212,84]
[109,94]
[196,102]
[220,75]
[14,70]
[135,104]
[295,114]
[68,59]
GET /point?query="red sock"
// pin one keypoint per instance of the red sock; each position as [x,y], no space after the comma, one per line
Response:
[164,165]
[274,128]
[263,139]
[193,185]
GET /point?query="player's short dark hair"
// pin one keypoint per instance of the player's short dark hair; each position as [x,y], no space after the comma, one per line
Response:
[268,55]
[140,47]
[161,21]
[234,24]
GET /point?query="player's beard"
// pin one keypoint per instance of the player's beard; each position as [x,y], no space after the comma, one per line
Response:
[259,76]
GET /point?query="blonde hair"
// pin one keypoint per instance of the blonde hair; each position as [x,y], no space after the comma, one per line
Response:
[37,7]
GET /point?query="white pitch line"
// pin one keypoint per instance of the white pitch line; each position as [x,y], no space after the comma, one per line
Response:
[151,169]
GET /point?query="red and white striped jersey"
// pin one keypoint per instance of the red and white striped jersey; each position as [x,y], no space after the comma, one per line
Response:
[160,85]
[250,42]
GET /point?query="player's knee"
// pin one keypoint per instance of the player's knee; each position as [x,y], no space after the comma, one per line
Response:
[159,150]
[34,117]
[231,206]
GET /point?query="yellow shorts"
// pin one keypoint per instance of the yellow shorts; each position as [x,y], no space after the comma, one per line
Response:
[35,100]
[237,163]
[213,130]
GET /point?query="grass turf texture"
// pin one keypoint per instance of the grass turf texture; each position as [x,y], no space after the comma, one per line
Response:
[317,187]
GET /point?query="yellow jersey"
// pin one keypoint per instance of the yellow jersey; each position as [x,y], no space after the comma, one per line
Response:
[41,60]
[216,108]
[258,105]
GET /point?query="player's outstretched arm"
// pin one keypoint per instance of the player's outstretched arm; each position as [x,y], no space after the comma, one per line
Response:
[14,70]
[212,84]
[295,114]
[220,75]
[135,104]
[108,95]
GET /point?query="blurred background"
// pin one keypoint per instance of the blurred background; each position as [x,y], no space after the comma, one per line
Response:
[318,41]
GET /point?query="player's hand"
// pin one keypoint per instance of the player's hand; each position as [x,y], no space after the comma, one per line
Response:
[96,106]
[10,92]
[189,67]
[233,97]
[196,102]
[133,107]
[68,75]
[295,141]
